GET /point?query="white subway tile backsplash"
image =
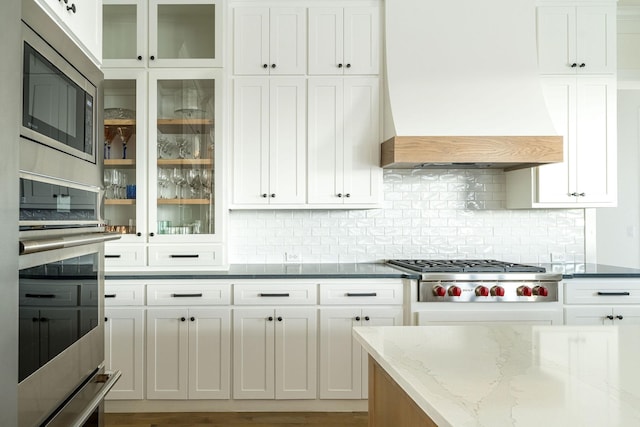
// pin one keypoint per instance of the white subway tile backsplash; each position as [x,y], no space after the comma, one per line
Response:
[425,213]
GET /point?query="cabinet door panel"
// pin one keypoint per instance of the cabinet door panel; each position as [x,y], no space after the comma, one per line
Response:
[593,315]
[325,140]
[595,39]
[209,353]
[361,140]
[287,137]
[556,27]
[253,353]
[326,41]
[595,153]
[167,353]
[287,40]
[361,40]
[251,141]
[295,353]
[124,340]
[340,355]
[251,40]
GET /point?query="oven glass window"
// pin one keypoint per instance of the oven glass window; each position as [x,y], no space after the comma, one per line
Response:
[58,304]
[54,105]
[59,206]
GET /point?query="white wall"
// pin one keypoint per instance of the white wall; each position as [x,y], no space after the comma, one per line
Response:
[618,229]
[429,214]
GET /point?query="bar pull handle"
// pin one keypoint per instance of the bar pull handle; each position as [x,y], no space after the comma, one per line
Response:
[618,294]
[284,294]
[110,295]
[186,295]
[40,295]
[112,256]
[184,256]
[362,294]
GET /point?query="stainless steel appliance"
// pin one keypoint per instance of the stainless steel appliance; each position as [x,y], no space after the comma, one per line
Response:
[61,377]
[456,291]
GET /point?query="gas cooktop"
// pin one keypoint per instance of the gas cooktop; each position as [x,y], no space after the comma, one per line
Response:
[465,266]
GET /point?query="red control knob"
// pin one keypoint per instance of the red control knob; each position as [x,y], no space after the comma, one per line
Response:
[439,291]
[540,290]
[454,291]
[497,291]
[482,291]
[524,291]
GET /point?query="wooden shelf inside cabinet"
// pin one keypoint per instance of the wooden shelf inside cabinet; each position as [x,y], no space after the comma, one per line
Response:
[120,163]
[185,162]
[183,201]
[120,122]
[174,126]
[120,201]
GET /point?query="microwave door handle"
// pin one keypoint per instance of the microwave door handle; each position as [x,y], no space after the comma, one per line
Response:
[41,245]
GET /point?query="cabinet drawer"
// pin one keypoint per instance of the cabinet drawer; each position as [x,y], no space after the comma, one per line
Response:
[115,295]
[361,293]
[275,294]
[124,256]
[188,256]
[37,295]
[189,294]
[605,291]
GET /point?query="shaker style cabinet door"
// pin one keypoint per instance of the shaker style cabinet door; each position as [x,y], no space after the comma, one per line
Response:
[269,41]
[124,343]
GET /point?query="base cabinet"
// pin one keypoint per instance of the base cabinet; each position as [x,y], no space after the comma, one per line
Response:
[124,350]
[188,353]
[602,301]
[274,353]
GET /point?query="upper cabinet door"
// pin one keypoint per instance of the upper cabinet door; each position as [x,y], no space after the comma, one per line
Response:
[326,41]
[269,40]
[124,38]
[361,40]
[576,40]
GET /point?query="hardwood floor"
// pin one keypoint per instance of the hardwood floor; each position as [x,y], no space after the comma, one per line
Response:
[238,419]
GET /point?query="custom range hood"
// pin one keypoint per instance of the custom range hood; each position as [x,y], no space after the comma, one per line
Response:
[463,88]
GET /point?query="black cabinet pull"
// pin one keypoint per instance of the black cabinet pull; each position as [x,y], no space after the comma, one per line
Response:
[186,295]
[264,195]
[112,256]
[574,65]
[614,294]
[110,295]
[138,234]
[193,319]
[582,65]
[284,294]
[273,65]
[106,319]
[265,66]
[139,57]
[348,65]
[358,318]
[72,8]
[619,317]
[43,319]
[152,234]
[362,294]
[339,65]
[270,318]
[347,195]
[152,58]
[279,318]
[610,317]
[182,319]
[339,194]
[273,195]
[184,256]
[39,295]
[366,318]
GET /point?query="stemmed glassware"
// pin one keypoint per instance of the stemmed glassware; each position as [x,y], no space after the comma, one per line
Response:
[195,184]
[125,133]
[205,182]
[178,179]
[163,182]
[109,133]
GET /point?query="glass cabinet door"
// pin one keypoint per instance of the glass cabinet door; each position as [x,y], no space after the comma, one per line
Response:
[123,151]
[185,112]
[186,33]
[124,33]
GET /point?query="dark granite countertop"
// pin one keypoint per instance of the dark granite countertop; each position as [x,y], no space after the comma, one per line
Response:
[581,270]
[275,271]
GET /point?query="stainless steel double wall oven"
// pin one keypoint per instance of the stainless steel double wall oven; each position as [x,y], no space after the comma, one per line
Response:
[61,378]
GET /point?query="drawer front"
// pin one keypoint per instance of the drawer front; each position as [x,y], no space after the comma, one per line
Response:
[189,294]
[361,293]
[124,256]
[118,294]
[604,291]
[188,256]
[37,295]
[275,294]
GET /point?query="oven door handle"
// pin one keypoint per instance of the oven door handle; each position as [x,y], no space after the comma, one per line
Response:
[41,245]
[80,417]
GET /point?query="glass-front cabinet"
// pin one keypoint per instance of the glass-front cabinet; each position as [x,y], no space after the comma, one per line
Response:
[162,33]
[162,165]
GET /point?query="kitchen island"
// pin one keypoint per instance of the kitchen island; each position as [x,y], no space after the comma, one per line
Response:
[503,375]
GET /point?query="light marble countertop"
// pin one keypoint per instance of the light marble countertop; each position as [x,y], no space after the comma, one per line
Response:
[514,375]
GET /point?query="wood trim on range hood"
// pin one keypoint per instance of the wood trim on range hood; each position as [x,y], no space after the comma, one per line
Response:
[501,152]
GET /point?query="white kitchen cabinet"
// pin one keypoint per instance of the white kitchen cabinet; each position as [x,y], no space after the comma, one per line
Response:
[188,353]
[269,141]
[606,301]
[124,350]
[583,110]
[269,40]
[343,141]
[343,362]
[275,353]
[162,33]
[576,39]
[163,168]
[81,20]
[344,40]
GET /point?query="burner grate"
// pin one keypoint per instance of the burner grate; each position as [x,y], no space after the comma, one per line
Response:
[465,266]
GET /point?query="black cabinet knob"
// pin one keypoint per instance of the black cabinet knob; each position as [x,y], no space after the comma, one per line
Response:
[138,234]
[139,57]
[339,65]
[152,234]
[582,65]
[152,58]
[193,319]
[610,317]
[366,318]
[270,318]
[265,66]
[339,194]
[574,65]
[358,318]
[279,318]
[182,319]
[273,195]
[619,317]
[273,65]
[348,65]
[106,318]
[347,195]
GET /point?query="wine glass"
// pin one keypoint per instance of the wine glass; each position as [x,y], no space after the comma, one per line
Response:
[125,133]
[205,180]
[178,179]
[163,182]
[195,185]
[109,133]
